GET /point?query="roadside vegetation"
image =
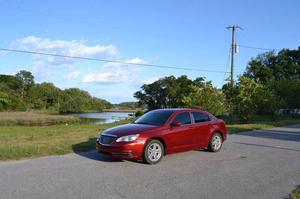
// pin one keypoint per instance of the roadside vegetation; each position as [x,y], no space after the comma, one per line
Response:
[17,142]
[34,119]
[128,106]
[20,93]
[271,82]
[295,193]
[236,128]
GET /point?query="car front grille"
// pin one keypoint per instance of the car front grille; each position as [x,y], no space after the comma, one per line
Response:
[104,139]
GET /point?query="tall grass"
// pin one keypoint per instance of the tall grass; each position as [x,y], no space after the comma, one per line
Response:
[34,119]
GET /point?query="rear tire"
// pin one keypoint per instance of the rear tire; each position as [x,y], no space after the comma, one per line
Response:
[215,143]
[153,152]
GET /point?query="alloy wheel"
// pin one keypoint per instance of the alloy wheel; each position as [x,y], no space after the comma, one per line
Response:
[154,152]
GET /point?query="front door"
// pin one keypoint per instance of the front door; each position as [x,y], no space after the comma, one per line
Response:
[180,137]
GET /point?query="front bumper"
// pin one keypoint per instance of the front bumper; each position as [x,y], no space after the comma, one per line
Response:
[132,150]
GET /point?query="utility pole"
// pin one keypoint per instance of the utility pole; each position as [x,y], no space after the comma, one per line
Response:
[233,49]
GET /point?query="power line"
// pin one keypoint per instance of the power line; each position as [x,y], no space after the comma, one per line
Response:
[108,60]
[99,22]
[259,48]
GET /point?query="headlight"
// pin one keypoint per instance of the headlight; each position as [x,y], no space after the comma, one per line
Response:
[127,138]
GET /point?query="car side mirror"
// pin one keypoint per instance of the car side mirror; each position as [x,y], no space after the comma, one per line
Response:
[175,124]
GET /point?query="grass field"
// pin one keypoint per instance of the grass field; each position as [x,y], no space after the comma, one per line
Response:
[34,119]
[235,128]
[17,142]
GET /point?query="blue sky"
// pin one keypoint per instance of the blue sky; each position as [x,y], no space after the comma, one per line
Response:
[176,33]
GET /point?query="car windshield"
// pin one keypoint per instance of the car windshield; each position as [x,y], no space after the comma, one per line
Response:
[156,117]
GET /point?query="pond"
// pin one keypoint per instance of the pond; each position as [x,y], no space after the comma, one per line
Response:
[103,117]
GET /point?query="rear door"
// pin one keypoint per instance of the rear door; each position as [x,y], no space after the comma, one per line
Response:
[201,128]
[181,138]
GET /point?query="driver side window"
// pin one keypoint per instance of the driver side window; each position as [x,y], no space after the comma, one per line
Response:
[183,118]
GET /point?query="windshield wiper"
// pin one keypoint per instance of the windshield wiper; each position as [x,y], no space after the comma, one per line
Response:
[143,123]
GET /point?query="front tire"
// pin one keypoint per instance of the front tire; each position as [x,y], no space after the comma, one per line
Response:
[215,143]
[153,152]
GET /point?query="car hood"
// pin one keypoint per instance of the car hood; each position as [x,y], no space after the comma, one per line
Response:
[128,129]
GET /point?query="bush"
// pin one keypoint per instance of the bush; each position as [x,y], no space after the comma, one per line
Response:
[139,113]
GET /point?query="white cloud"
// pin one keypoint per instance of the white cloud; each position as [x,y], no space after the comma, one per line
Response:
[129,61]
[45,66]
[103,77]
[137,61]
[72,75]
[71,48]
[115,73]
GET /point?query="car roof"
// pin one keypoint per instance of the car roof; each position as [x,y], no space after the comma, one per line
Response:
[181,109]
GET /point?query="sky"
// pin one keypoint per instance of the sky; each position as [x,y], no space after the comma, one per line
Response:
[180,33]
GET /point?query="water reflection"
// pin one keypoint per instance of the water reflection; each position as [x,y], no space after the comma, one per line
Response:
[103,117]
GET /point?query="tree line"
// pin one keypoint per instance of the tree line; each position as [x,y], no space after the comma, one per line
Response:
[20,93]
[271,81]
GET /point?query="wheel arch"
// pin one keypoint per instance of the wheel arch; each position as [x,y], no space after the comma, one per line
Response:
[220,132]
[162,141]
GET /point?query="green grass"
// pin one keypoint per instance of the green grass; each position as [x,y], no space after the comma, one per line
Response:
[34,119]
[17,142]
[295,193]
[235,128]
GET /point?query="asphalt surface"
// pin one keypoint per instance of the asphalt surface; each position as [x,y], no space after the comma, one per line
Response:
[259,164]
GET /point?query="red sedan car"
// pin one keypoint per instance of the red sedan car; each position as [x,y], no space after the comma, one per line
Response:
[163,131]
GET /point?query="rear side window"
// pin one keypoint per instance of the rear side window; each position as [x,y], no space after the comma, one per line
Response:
[200,117]
[183,118]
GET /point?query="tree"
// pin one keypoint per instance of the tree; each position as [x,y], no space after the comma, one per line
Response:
[19,92]
[207,98]
[280,73]
[170,92]
[288,91]
[27,81]
[267,66]
[167,92]
[4,100]
[12,83]
[249,96]
[76,100]
[26,78]
[44,96]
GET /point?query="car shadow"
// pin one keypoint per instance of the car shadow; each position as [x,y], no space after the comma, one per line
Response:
[94,155]
[87,149]
[267,146]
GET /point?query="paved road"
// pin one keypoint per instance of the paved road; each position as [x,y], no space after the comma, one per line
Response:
[260,164]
